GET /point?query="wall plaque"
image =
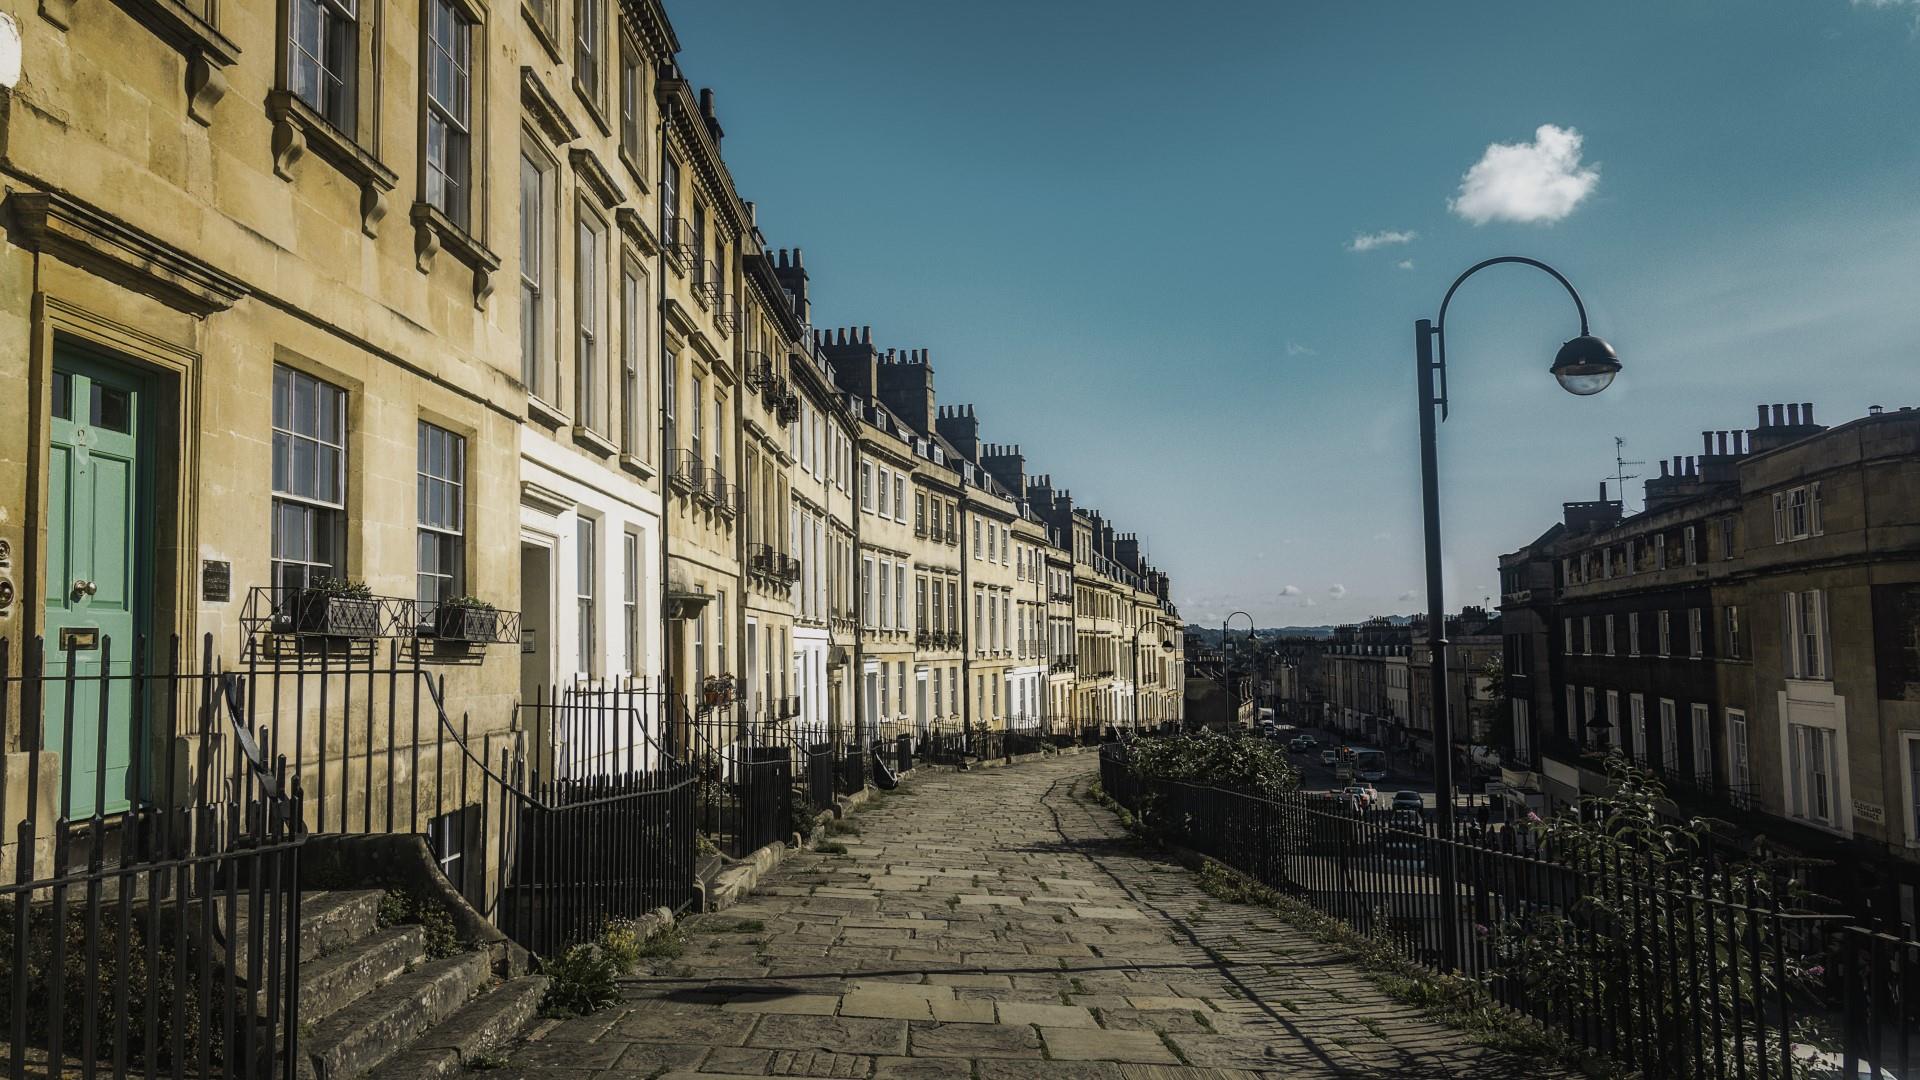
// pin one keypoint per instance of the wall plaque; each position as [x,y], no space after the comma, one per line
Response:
[216,581]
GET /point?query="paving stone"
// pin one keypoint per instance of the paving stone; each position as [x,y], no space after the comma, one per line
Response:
[876,1003]
[1026,1012]
[904,1068]
[1094,1044]
[840,1034]
[808,1004]
[975,1040]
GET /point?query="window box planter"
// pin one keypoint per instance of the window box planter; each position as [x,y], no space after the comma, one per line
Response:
[473,624]
[326,613]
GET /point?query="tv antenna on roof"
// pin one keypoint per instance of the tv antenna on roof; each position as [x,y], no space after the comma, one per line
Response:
[1620,474]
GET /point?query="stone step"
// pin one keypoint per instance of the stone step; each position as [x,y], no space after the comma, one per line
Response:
[335,919]
[358,1038]
[344,976]
[487,1023]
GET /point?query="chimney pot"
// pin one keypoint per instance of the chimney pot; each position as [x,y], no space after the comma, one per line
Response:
[1706,442]
[1603,491]
[1723,443]
[1793,414]
[1763,415]
[866,335]
[1806,412]
[1779,415]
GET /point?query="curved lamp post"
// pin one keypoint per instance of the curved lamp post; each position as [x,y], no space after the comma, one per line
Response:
[1584,365]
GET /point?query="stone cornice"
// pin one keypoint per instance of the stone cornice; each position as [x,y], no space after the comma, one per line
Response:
[61,226]
[634,227]
[595,178]
[545,111]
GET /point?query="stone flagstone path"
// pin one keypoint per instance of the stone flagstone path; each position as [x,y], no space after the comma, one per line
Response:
[991,925]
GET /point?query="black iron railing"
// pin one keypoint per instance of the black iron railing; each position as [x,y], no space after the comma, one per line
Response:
[148,924]
[1680,969]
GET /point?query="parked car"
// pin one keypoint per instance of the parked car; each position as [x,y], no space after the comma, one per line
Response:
[1327,758]
[1363,796]
[1308,742]
[1406,835]
[1409,800]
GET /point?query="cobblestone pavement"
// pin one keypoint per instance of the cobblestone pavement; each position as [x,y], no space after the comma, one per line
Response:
[991,925]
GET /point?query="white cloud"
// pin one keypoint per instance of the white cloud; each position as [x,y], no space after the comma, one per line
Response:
[1405,264]
[1291,590]
[1367,241]
[1294,348]
[1538,182]
[1309,602]
[1409,595]
[1337,591]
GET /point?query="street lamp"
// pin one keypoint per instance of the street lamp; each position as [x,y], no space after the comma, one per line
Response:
[1585,365]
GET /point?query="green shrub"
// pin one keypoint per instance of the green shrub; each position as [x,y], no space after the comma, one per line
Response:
[800,809]
[580,981]
[81,998]
[1237,762]
[399,907]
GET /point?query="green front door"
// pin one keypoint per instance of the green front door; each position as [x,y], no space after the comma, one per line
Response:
[94,585]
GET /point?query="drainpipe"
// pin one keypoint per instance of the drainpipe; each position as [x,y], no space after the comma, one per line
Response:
[666,451]
[859,671]
[966,616]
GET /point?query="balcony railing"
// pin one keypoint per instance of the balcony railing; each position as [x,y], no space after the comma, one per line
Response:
[726,311]
[762,560]
[274,617]
[707,483]
[707,285]
[684,470]
[759,372]
[726,498]
[682,246]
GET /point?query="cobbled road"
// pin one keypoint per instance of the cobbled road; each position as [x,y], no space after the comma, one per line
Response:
[993,924]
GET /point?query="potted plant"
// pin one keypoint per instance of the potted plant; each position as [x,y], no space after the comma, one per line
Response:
[717,691]
[336,608]
[465,618]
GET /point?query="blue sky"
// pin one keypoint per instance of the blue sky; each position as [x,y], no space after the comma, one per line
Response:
[1127,232]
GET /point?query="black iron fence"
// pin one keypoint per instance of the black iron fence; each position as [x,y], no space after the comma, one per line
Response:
[149,923]
[1680,969]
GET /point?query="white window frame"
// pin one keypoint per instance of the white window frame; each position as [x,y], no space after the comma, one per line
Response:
[1669,737]
[1522,733]
[1807,645]
[1696,634]
[1613,718]
[1701,718]
[1739,757]
[1637,724]
[1666,632]
[1910,785]
[1633,633]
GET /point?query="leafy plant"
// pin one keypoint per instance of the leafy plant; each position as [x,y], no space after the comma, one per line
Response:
[580,981]
[1633,869]
[92,996]
[472,602]
[346,588]
[800,809]
[1237,762]
[398,907]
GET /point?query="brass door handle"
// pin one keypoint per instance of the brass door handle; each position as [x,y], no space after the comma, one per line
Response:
[83,587]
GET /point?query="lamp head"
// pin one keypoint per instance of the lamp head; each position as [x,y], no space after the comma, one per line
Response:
[1586,365]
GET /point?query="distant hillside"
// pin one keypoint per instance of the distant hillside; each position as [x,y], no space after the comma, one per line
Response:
[1211,634]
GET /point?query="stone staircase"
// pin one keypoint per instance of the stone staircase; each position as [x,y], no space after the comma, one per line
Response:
[373,1004]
